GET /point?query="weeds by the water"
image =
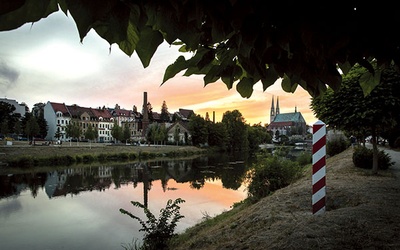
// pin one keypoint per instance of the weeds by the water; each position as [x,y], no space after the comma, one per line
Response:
[158,232]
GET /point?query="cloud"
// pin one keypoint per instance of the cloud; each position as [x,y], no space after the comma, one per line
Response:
[8,75]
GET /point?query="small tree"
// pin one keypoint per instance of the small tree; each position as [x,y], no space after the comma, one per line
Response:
[116,132]
[31,127]
[126,133]
[164,112]
[58,133]
[90,134]
[73,130]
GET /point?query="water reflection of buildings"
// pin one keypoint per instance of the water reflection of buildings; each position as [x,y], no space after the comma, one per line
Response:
[73,181]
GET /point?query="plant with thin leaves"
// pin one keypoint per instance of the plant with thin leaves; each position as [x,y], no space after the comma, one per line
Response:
[159,231]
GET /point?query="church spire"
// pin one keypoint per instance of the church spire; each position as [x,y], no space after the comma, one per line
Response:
[272,113]
[277,106]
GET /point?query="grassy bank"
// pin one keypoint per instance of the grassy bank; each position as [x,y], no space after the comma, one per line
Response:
[21,155]
[362,212]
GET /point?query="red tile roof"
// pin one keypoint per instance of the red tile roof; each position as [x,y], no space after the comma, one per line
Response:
[60,107]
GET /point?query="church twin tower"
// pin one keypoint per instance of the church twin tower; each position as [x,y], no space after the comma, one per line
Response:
[274,112]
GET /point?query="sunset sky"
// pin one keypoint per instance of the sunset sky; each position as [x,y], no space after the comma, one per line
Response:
[47,62]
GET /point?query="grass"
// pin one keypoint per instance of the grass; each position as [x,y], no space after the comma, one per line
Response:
[21,155]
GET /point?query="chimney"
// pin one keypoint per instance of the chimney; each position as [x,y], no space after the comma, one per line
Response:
[145,121]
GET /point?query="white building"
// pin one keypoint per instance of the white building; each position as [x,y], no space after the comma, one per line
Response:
[57,117]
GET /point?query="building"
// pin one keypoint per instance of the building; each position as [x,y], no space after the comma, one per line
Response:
[20,108]
[59,116]
[178,133]
[289,124]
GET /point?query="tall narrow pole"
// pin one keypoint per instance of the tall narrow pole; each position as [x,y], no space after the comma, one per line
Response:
[319,168]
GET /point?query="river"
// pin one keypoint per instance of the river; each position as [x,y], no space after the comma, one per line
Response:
[78,208]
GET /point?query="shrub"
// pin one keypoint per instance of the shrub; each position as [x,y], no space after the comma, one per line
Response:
[23,162]
[143,155]
[88,158]
[271,174]
[102,157]
[132,156]
[78,159]
[363,157]
[336,146]
[304,158]
[123,156]
[158,232]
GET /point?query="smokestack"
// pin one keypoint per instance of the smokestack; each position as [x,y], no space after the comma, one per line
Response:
[145,111]
[213,116]
[145,121]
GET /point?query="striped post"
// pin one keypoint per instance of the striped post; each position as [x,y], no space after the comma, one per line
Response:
[319,167]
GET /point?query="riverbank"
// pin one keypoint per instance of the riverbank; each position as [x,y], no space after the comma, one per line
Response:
[362,212]
[20,150]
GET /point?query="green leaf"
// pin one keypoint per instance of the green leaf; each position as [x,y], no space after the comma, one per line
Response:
[270,78]
[29,11]
[128,46]
[173,69]
[212,75]
[368,81]
[287,85]
[227,76]
[113,27]
[245,87]
[149,41]
[86,13]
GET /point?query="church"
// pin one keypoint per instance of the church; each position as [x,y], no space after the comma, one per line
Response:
[289,124]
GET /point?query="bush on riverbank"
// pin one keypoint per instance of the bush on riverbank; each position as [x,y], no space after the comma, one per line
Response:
[30,161]
[270,174]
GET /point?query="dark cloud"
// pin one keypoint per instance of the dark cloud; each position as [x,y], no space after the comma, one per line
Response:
[8,75]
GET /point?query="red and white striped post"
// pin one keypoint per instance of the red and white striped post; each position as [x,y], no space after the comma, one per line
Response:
[319,167]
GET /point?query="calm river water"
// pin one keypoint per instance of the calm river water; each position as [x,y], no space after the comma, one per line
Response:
[79,208]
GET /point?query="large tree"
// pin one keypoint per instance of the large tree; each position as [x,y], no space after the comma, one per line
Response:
[236,127]
[239,41]
[350,110]
[198,130]
[8,119]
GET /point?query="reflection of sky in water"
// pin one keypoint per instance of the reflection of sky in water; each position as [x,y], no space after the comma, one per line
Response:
[9,207]
[91,220]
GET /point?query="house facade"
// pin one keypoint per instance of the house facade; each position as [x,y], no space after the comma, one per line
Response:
[59,115]
[178,133]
